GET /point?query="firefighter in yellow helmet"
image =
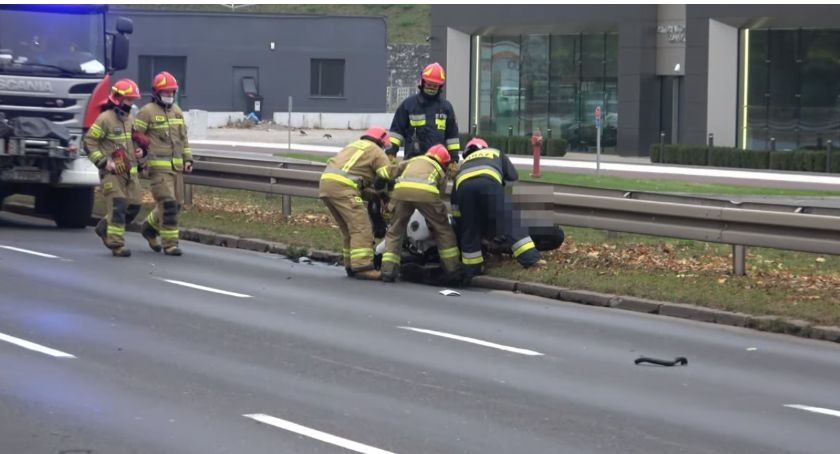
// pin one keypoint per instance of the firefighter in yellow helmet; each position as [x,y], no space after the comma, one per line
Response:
[111,149]
[420,186]
[161,123]
[347,175]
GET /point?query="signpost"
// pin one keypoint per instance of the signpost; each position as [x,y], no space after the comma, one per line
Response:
[598,139]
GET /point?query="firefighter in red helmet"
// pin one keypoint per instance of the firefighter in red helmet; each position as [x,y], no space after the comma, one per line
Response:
[421,184]
[110,147]
[426,119]
[359,167]
[161,123]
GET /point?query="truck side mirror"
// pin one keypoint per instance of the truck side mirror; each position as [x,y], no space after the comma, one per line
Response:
[119,52]
[125,26]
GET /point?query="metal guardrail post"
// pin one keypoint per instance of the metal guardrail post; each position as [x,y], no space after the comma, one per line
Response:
[287,206]
[188,195]
[739,259]
[828,150]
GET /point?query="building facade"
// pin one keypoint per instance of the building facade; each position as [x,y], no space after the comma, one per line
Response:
[325,63]
[753,76]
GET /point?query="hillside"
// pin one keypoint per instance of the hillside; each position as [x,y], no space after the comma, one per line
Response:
[406,23]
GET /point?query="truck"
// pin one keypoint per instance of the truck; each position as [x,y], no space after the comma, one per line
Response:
[56,63]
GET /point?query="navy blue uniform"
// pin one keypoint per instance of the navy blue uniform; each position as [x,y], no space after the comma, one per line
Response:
[422,121]
[483,211]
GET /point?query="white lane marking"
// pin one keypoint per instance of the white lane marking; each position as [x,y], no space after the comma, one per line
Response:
[35,347]
[506,348]
[316,434]
[207,289]
[822,411]
[27,251]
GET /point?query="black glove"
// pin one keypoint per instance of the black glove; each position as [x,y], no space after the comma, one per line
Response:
[392,149]
[455,156]
[380,183]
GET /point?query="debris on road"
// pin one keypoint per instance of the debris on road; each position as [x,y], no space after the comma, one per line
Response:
[680,360]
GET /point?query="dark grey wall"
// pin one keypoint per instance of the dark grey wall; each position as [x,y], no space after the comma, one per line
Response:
[638,87]
[215,43]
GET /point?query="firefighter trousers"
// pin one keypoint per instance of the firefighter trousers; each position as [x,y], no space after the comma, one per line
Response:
[167,190]
[438,221]
[485,214]
[123,196]
[350,214]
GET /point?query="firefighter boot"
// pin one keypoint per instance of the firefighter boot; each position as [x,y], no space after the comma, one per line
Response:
[173,251]
[369,275]
[121,251]
[102,230]
[150,234]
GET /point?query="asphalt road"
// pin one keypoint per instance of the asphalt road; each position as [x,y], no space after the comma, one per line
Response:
[129,356]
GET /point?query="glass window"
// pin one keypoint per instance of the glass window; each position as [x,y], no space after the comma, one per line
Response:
[326,77]
[820,75]
[534,84]
[505,84]
[550,81]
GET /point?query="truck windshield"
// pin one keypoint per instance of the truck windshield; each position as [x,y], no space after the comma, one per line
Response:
[51,44]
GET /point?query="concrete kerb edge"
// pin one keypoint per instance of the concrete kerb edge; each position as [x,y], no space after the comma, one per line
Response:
[767,323]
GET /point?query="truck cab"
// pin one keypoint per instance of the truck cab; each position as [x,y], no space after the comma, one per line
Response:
[55,66]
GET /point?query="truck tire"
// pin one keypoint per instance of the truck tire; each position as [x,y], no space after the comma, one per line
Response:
[71,207]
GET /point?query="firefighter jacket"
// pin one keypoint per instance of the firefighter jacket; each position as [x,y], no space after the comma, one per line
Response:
[109,133]
[167,133]
[487,163]
[422,180]
[354,168]
[422,121]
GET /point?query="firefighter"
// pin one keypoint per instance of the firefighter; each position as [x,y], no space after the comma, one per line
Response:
[478,202]
[111,149]
[425,119]
[160,123]
[420,186]
[348,174]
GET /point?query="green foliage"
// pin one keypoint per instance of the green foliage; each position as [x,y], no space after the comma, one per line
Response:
[700,155]
[520,145]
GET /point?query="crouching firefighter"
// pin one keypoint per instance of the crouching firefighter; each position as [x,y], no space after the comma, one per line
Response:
[347,174]
[420,186]
[112,150]
[478,201]
[160,124]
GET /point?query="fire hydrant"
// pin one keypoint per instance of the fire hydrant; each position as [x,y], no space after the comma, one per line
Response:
[536,143]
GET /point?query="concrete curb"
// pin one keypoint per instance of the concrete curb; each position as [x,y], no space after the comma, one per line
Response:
[768,323]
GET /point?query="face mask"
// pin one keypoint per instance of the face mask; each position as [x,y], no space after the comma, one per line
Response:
[168,100]
[123,109]
[431,91]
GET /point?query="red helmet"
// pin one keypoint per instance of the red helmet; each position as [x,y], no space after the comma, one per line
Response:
[439,153]
[434,73]
[378,134]
[164,81]
[476,143]
[123,89]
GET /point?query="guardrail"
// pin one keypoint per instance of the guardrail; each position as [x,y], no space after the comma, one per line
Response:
[787,227]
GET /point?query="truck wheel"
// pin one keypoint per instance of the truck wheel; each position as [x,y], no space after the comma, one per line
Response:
[71,207]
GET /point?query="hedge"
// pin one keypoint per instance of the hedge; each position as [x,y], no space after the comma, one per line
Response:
[698,155]
[520,145]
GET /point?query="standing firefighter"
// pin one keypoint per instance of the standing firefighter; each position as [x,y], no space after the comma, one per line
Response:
[110,147]
[420,186]
[425,119]
[478,200]
[347,175]
[161,123]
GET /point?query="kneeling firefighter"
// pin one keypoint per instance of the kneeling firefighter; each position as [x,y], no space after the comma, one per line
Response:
[478,201]
[348,174]
[419,187]
[111,148]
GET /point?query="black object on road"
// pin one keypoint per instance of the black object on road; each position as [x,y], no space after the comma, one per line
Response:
[678,361]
